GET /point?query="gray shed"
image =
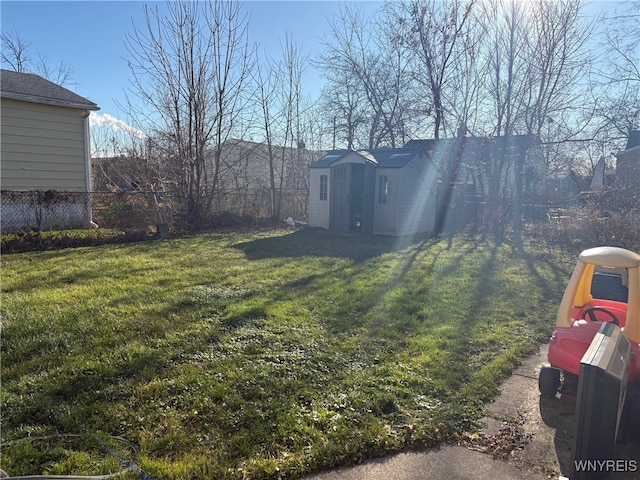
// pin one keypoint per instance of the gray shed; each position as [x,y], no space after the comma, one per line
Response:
[381,191]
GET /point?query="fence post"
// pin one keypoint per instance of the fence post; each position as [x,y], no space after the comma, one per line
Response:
[162,225]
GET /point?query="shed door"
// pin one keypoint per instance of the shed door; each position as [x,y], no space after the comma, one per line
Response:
[340,198]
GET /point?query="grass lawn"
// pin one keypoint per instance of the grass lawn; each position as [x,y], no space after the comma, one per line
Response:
[260,355]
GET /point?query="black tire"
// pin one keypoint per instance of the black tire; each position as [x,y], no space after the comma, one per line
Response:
[549,381]
[569,384]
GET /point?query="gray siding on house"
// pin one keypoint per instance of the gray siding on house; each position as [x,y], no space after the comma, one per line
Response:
[244,167]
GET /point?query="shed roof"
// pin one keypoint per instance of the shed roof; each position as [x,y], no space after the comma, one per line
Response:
[328,158]
[33,88]
[473,149]
[381,157]
[394,157]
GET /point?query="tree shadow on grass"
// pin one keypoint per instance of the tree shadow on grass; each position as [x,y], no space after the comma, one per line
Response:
[483,286]
[355,297]
[412,275]
[551,287]
[312,242]
[472,247]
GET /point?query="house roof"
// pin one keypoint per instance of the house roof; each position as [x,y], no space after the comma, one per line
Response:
[632,150]
[473,146]
[633,140]
[29,87]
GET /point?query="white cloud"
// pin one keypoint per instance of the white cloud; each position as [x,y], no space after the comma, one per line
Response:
[109,121]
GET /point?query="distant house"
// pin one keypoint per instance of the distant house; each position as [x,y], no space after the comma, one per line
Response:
[563,187]
[401,191]
[244,177]
[120,174]
[244,166]
[44,140]
[628,161]
[491,164]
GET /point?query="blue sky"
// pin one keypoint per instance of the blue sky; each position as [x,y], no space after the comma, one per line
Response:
[89,36]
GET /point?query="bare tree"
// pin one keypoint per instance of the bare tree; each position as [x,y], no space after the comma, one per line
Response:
[506,34]
[557,60]
[15,54]
[62,73]
[437,33]
[279,96]
[343,102]
[266,92]
[189,70]
[615,82]
[359,61]
[534,56]
[15,51]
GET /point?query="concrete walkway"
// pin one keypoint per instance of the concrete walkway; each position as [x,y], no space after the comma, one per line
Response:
[545,425]
[450,463]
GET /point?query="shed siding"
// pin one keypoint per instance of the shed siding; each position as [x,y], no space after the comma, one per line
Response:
[416,203]
[318,209]
[411,203]
[385,215]
[42,147]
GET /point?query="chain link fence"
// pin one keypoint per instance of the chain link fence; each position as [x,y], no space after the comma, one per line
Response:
[148,213]
[137,211]
[44,210]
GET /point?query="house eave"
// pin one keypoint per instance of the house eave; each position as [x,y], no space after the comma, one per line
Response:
[49,101]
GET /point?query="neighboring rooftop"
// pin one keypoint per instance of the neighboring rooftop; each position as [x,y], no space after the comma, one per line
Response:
[513,142]
[29,87]
[633,140]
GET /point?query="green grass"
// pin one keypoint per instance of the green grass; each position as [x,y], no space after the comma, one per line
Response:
[46,240]
[263,355]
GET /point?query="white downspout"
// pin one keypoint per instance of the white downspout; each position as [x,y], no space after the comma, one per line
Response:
[87,166]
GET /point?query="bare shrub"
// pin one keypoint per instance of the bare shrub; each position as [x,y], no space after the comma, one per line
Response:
[591,225]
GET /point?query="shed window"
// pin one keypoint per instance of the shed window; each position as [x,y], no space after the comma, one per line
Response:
[383,188]
[323,187]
